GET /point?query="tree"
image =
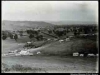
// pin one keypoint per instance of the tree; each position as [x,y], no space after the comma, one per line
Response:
[4,36]
[31,36]
[11,35]
[16,37]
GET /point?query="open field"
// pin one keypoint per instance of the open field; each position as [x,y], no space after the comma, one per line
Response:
[55,63]
[48,62]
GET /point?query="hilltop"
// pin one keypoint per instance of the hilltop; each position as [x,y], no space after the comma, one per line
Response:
[17,25]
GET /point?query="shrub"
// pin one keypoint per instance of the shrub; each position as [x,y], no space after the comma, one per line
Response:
[19,68]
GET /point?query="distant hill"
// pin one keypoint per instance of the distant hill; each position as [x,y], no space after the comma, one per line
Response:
[17,25]
[71,23]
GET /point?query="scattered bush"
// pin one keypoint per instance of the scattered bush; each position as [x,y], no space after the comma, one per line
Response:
[18,68]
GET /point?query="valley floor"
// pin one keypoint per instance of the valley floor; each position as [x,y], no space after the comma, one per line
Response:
[50,64]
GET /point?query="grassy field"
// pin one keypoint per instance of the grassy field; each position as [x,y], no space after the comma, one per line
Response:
[52,59]
[54,63]
[68,47]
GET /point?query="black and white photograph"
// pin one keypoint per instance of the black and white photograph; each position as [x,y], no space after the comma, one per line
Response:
[49,37]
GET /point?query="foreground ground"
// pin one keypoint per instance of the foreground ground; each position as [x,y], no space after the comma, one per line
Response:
[55,64]
[49,64]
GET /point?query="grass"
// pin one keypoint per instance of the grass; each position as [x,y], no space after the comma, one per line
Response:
[55,48]
[67,48]
[18,68]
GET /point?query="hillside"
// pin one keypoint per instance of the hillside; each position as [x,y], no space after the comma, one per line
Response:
[17,25]
[72,23]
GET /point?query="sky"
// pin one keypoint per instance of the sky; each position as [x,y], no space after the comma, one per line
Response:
[85,11]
